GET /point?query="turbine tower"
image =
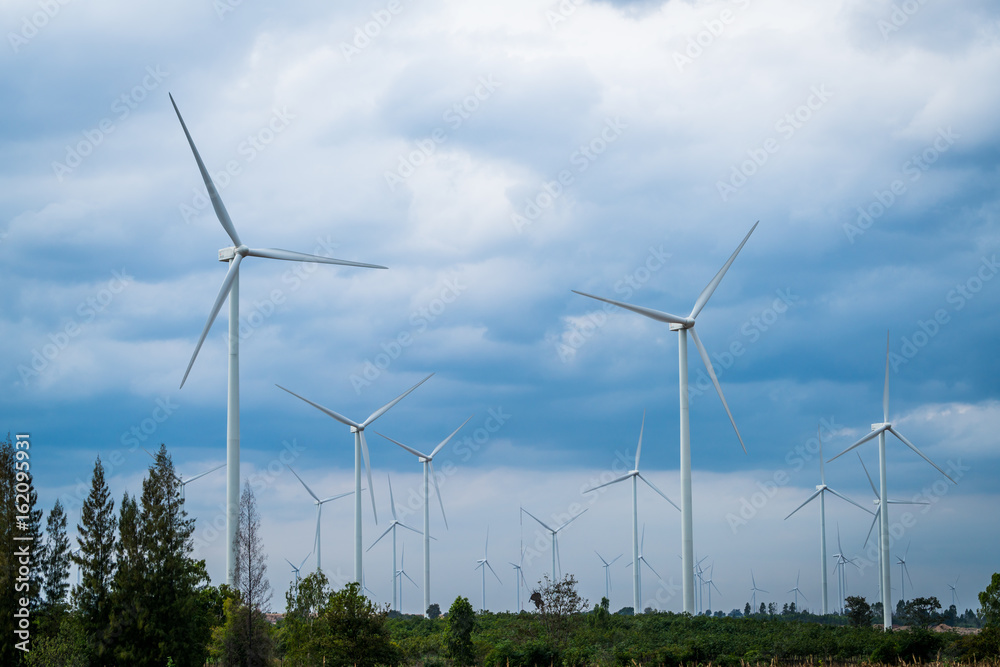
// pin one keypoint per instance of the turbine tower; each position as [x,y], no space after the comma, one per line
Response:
[607,573]
[682,325]
[821,492]
[360,450]
[428,463]
[555,541]
[634,475]
[484,563]
[392,527]
[880,431]
[234,254]
[319,513]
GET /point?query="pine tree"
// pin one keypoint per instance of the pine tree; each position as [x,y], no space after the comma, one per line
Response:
[55,571]
[95,558]
[20,537]
[129,607]
[248,641]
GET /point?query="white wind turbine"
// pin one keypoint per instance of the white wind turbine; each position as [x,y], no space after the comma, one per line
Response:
[180,479]
[798,592]
[954,591]
[519,577]
[319,513]
[607,573]
[400,573]
[634,474]
[360,450]
[392,527]
[754,589]
[880,431]
[709,584]
[231,288]
[555,539]
[840,567]
[682,325]
[297,569]
[821,492]
[901,561]
[642,561]
[484,563]
[428,463]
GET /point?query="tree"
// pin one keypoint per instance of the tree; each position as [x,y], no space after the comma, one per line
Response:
[21,548]
[746,610]
[922,612]
[858,610]
[461,624]
[434,611]
[96,560]
[303,601]
[55,571]
[352,631]
[763,609]
[247,636]
[989,600]
[559,602]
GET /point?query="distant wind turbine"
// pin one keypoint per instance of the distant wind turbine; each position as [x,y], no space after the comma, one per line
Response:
[821,492]
[519,577]
[607,573]
[754,591]
[798,592]
[901,561]
[234,254]
[392,527]
[554,532]
[360,450]
[484,563]
[642,561]
[400,573]
[682,325]
[954,591]
[880,431]
[296,568]
[709,584]
[319,513]
[180,479]
[634,474]
[428,463]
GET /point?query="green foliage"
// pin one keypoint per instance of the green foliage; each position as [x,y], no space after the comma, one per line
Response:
[96,561]
[858,610]
[433,611]
[989,600]
[55,572]
[67,647]
[461,624]
[560,603]
[920,612]
[245,637]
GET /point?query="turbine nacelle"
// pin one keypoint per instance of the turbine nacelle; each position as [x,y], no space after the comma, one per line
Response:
[677,326]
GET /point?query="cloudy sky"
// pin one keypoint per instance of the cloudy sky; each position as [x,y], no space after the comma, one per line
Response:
[496,157]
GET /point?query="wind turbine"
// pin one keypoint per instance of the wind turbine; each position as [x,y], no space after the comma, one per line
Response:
[880,431]
[642,561]
[954,591]
[821,492]
[842,561]
[754,589]
[428,463]
[634,474]
[901,561]
[798,592]
[360,450]
[184,482]
[392,527]
[319,513]
[519,577]
[682,325]
[607,573]
[709,584]
[555,542]
[400,573]
[484,563]
[231,288]
[699,572]
[295,568]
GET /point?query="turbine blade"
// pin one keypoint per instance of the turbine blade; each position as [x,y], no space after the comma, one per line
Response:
[336,497]
[885,392]
[445,441]
[392,501]
[339,417]
[706,293]
[315,497]
[536,519]
[860,442]
[292,256]
[411,528]
[368,471]
[386,532]
[662,494]
[614,481]
[711,373]
[227,284]
[657,315]
[810,498]
[638,448]
[615,558]
[437,492]
[870,482]
[213,194]
[408,577]
[409,449]
[870,529]
[207,472]
[642,559]
[601,557]
[822,471]
[842,497]
[381,411]
[571,520]
[919,453]
[493,571]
